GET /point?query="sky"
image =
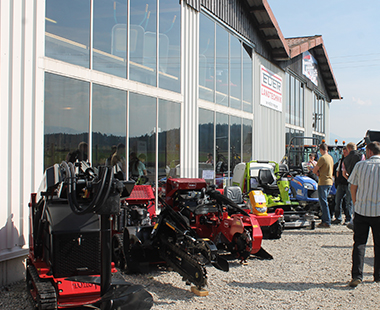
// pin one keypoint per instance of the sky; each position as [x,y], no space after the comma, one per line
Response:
[351,34]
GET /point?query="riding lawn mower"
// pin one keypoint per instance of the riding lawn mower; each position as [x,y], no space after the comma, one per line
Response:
[273,180]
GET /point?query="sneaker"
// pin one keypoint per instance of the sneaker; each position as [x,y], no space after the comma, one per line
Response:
[323,225]
[336,222]
[346,223]
[354,282]
[350,226]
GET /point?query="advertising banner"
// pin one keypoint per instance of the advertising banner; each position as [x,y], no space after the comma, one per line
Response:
[310,67]
[271,89]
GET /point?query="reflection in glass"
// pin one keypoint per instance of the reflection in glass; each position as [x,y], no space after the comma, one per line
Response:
[109,113]
[67,26]
[206,144]
[235,72]
[142,46]
[247,140]
[221,162]
[142,134]
[235,142]
[206,59]
[221,66]
[169,119]
[170,45]
[247,78]
[66,119]
[110,37]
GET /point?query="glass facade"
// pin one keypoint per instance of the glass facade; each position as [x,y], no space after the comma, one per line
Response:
[224,141]
[67,115]
[295,102]
[118,44]
[66,119]
[225,67]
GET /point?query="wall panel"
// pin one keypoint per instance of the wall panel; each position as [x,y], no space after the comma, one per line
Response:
[18,71]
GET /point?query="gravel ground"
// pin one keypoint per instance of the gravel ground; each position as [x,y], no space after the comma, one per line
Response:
[310,270]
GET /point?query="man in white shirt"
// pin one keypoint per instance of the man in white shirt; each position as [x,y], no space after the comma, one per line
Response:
[365,192]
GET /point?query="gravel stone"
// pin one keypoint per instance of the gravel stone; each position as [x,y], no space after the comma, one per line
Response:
[310,270]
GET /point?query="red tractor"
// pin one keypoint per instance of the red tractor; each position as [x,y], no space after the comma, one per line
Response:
[215,216]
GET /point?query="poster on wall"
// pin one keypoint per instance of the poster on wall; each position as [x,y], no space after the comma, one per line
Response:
[271,89]
[310,67]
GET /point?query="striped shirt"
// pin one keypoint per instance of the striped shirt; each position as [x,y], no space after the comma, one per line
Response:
[366,175]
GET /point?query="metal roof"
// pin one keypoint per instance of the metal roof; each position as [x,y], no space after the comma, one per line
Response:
[285,49]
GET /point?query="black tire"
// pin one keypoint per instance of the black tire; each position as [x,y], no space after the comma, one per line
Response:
[275,231]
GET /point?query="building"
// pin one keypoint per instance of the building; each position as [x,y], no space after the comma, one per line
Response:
[172,80]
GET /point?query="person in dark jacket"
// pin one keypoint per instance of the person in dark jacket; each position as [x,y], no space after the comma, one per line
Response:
[351,159]
[342,192]
[348,165]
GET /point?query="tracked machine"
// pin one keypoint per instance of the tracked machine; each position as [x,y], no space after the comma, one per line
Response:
[69,261]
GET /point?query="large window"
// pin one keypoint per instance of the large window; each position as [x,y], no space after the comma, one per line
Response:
[67,25]
[143,50]
[120,39]
[319,114]
[221,64]
[206,145]
[225,66]
[110,37]
[247,140]
[220,153]
[169,118]
[66,119]
[207,59]
[142,134]
[295,102]
[109,112]
[235,72]
[169,40]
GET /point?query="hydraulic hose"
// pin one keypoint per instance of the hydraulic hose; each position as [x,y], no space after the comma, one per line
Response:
[102,192]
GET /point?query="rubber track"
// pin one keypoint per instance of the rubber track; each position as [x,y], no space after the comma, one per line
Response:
[45,290]
[200,281]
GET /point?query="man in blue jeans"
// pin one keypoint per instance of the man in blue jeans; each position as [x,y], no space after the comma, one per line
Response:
[365,189]
[342,192]
[324,169]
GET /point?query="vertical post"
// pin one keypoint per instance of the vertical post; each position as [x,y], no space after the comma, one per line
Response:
[105,249]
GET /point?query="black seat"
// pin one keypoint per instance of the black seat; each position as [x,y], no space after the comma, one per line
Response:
[234,193]
[267,181]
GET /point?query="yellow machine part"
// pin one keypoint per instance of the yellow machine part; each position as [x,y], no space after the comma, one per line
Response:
[258,202]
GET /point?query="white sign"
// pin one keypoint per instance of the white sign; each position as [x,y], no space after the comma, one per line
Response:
[310,67]
[271,89]
[208,174]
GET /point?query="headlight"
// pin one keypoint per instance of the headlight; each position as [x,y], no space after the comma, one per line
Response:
[261,210]
[308,186]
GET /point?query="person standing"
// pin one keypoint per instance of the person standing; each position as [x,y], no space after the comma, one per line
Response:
[365,190]
[342,192]
[324,169]
[348,165]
